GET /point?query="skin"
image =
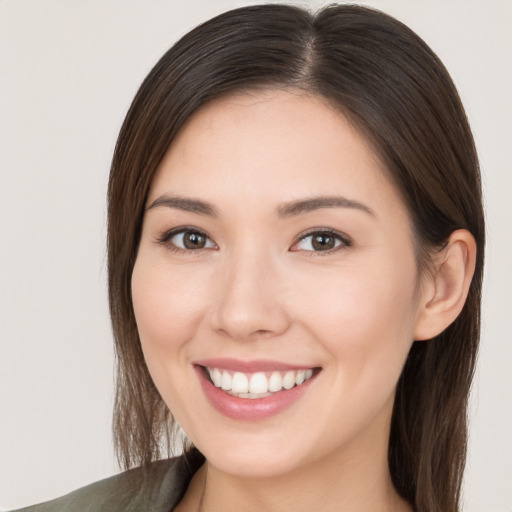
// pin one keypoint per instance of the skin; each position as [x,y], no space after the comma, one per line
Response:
[257,291]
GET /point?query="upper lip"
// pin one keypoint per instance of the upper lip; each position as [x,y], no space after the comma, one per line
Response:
[256,365]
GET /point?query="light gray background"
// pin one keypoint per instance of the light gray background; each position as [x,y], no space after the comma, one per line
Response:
[68,73]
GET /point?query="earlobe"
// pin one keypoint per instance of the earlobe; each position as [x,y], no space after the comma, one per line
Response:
[444,295]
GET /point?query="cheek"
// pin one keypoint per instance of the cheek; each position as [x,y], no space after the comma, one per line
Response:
[364,317]
[167,305]
[364,322]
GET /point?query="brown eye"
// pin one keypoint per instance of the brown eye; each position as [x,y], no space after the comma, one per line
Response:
[191,240]
[320,241]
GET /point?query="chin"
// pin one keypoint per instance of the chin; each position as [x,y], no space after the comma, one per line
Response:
[255,462]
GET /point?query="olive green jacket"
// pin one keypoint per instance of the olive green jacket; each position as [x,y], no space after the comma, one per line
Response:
[158,488]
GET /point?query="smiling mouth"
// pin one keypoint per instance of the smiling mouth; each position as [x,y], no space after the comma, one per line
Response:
[258,384]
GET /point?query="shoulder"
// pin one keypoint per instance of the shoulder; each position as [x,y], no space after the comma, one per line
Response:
[159,487]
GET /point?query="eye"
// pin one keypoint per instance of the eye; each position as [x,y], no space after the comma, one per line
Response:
[320,241]
[188,239]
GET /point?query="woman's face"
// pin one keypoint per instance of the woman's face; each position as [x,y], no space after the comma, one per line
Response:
[274,249]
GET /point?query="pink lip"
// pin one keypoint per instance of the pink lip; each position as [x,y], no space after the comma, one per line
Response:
[257,365]
[246,409]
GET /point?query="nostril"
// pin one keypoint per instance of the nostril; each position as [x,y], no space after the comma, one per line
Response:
[261,333]
[241,335]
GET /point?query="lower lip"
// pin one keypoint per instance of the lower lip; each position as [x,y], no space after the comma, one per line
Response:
[248,409]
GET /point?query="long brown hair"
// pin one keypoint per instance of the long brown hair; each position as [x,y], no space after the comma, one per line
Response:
[395,90]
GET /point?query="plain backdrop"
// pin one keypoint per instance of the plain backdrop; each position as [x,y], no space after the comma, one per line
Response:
[68,73]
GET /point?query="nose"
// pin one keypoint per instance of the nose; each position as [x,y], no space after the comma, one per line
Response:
[251,300]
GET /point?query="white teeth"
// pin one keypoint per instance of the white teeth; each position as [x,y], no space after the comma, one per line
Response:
[275,383]
[257,385]
[216,377]
[226,381]
[289,380]
[240,383]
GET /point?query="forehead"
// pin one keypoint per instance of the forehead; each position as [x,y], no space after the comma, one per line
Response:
[271,146]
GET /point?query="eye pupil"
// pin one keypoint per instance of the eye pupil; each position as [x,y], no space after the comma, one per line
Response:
[322,242]
[194,240]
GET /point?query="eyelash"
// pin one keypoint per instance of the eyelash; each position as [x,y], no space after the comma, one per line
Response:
[166,237]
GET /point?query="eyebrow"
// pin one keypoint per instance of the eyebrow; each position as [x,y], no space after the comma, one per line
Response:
[184,203]
[316,203]
[290,209]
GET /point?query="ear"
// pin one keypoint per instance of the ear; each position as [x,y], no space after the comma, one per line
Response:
[445,290]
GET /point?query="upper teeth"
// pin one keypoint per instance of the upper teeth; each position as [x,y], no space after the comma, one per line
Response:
[258,383]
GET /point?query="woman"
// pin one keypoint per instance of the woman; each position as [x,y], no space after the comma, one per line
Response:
[295,262]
